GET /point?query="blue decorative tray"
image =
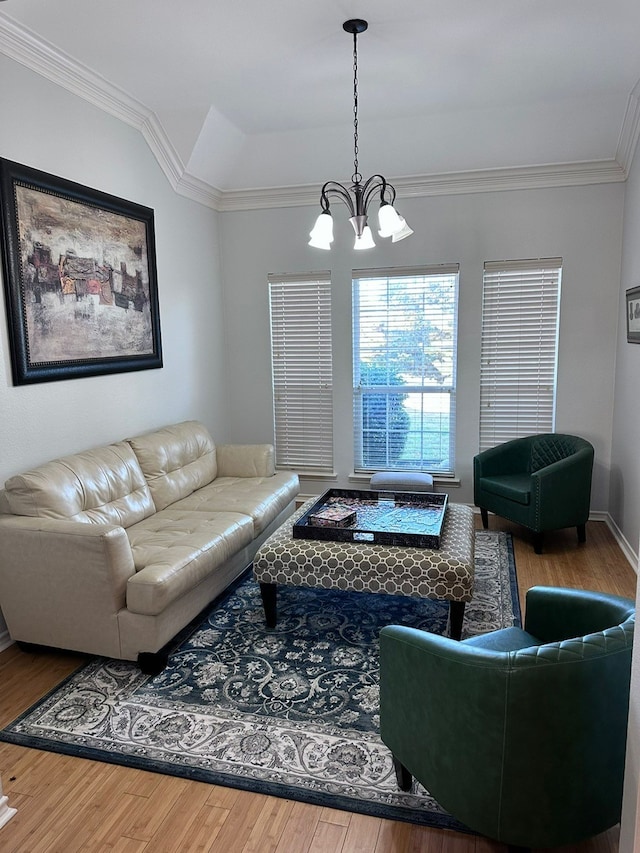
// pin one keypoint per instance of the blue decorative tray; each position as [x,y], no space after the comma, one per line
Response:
[412,519]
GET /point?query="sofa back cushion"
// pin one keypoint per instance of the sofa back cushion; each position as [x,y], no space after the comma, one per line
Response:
[105,485]
[176,460]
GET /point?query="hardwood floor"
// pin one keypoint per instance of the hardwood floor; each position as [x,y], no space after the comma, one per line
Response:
[68,804]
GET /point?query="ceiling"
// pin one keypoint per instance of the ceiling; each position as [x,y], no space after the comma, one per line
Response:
[246,95]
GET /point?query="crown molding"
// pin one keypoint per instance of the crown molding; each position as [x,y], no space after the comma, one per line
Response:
[23,46]
[197,190]
[451,183]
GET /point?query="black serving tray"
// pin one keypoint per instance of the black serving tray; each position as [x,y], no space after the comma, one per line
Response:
[413,519]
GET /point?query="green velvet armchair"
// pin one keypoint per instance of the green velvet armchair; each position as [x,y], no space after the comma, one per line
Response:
[541,481]
[519,734]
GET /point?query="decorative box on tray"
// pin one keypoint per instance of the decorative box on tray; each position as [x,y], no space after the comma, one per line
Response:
[384,518]
[333,517]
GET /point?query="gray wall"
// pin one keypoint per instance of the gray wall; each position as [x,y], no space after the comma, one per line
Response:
[583,225]
[216,340]
[45,127]
[624,499]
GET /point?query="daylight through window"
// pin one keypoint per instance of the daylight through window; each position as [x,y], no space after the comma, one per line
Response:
[404,368]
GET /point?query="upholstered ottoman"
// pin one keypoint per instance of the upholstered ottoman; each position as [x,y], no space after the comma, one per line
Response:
[444,574]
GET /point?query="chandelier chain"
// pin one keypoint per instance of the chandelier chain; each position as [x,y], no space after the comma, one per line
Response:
[356,177]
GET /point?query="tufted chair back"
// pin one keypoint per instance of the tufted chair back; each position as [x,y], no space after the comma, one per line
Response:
[520,734]
[548,448]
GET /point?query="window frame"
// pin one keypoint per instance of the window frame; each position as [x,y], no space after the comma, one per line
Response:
[393,275]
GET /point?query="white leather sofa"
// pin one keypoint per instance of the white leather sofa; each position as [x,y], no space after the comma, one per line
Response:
[114,550]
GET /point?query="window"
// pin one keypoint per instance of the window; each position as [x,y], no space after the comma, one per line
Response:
[520,308]
[404,368]
[300,307]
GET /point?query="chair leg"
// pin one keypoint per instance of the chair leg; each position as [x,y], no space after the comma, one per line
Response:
[403,776]
[538,539]
[582,533]
[456,618]
[152,663]
[485,518]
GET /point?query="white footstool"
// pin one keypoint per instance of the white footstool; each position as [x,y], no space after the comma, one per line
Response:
[401,481]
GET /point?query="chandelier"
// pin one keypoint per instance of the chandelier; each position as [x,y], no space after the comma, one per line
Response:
[358,196]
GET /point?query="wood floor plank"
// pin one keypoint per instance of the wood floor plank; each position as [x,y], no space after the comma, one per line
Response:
[299,830]
[394,837]
[62,800]
[146,821]
[179,818]
[105,829]
[267,831]
[202,832]
[362,834]
[338,816]
[127,845]
[239,824]
[328,838]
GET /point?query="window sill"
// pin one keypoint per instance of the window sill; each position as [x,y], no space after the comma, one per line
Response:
[447,482]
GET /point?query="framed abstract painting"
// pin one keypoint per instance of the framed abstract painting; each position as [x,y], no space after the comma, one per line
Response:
[80,279]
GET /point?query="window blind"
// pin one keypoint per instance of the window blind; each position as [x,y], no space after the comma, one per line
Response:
[300,309]
[520,312]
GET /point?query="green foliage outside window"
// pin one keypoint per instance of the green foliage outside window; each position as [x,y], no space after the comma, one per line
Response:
[385,423]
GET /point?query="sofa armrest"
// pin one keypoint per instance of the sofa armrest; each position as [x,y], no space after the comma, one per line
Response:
[245,460]
[60,577]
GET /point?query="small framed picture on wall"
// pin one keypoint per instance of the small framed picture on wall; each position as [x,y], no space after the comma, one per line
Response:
[633,315]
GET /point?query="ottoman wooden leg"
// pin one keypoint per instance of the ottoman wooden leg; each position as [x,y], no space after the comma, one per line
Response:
[456,617]
[268,593]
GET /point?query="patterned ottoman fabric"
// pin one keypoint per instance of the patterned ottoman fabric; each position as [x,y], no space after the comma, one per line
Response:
[444,574]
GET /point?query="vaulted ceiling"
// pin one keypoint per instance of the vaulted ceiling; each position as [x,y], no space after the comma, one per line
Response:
[249,102]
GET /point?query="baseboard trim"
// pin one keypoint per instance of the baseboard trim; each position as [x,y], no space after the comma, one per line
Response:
[6,813]
[5,641]
[627,550]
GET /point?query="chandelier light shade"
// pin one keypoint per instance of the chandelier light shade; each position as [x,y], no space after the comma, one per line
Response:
[359,194]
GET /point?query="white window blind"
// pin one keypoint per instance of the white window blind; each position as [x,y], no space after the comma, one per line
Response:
[404,366]
[300,307]
[520,311]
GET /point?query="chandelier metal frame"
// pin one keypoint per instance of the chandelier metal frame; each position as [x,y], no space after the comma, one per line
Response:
[358,195]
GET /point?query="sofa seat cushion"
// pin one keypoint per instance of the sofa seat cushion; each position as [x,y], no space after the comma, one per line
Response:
[103,486]
[261,498]
[174,550]
[513,487]
[176,461]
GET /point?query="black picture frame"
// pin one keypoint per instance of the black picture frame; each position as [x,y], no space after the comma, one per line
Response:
[80,279]
[633,315]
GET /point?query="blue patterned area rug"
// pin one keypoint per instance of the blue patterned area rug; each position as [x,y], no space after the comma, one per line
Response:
[291,712]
